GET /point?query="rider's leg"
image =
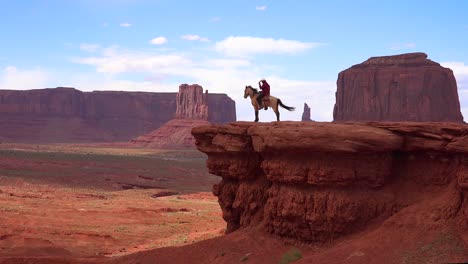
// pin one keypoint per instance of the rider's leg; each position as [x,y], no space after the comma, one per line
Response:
[259,101]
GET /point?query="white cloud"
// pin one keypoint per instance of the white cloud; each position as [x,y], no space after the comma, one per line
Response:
[135,62]
[400,46]
[159,41]
[460,70]
[261,8]
[194,38]
[125,24]
[15,79]
[215,19]
[165,72]
[89,47]
[245,46]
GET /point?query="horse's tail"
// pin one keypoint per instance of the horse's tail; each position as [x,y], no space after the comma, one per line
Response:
[289,108]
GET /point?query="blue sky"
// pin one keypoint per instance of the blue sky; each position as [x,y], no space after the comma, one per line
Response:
[300,46]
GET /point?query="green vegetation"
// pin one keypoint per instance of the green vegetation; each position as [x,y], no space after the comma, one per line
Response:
[290,256]
[446,244]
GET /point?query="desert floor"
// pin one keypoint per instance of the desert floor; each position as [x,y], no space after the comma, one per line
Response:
[103,200]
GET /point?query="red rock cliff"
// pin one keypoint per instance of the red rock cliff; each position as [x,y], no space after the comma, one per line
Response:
[407,87]
[320,181]
[69,115]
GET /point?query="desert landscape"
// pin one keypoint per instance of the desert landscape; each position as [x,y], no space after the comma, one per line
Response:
[372,187]
[167,132]
[71,200]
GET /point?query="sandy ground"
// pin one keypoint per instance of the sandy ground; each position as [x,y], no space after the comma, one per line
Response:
[81,201]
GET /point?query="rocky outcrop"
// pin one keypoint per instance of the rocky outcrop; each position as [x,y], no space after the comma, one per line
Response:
[320,181]
[193,109]
[68,115]
[306,113]
[407,87]
[191,102]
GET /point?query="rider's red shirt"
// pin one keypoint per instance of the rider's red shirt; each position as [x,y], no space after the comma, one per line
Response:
[265,87]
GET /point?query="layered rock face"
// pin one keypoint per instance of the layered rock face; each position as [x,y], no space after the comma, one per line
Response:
[306,113]
[319,181]
[191,102]
[68,115]
[194,108]
[407,87]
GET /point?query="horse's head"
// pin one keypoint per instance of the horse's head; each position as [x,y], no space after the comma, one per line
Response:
[246,91]
[249,90]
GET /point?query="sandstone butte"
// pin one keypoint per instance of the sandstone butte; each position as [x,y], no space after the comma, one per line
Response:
[306,113]
[192,109]
[320,182]
[59,115]
[406,87]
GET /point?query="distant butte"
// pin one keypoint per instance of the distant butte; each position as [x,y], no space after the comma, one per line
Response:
[406,87]
[192,109]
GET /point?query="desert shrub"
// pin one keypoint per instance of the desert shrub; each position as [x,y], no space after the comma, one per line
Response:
[292,255]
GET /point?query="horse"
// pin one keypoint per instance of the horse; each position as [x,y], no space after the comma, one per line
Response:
[273,102]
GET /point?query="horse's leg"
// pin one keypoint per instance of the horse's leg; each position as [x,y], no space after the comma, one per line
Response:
[276,110]
[256,115]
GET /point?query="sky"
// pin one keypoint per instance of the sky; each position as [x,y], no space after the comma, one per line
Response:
[299,46]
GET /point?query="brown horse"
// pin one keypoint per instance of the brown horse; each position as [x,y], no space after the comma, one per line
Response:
[273,102]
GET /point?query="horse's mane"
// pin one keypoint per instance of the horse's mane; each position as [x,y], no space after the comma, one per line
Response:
[255,90]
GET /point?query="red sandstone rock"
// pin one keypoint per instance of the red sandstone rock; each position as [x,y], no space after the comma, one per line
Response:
[306,113]
[407,87]
[69,115]
[191,103]
[319,181]
[192,110]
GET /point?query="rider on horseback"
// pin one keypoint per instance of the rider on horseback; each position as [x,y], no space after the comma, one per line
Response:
[265,87]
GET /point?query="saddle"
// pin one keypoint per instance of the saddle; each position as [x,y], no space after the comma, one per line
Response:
[266,101]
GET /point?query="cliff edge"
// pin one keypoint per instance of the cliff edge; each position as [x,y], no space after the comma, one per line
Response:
[318,182]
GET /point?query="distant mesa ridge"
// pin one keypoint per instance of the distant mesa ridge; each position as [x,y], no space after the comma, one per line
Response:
[65,114]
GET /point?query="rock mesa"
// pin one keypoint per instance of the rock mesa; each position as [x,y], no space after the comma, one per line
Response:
[69,115]
[407,87]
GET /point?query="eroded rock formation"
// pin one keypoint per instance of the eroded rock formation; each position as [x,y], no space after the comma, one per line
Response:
[68,115]
[319,181]
[407,87]
[306,113]
[191,102]
[193,109]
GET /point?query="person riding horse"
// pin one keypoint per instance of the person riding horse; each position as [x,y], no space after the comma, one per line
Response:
[265,87]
